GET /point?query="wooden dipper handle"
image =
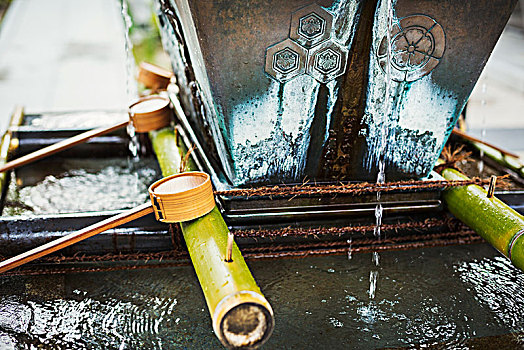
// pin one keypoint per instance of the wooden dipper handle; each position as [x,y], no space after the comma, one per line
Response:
[474,139]
[75,237]
[60,146]
[185,196]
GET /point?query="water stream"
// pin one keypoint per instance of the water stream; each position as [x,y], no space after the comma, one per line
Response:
[132,92]
[131,86]
[482,123]
[381,176]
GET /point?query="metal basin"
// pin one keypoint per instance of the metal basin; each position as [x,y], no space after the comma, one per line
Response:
[277,91]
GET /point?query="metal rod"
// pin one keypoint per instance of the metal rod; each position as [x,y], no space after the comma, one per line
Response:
[229,251]
[60,146]
[75,237]
[491,188]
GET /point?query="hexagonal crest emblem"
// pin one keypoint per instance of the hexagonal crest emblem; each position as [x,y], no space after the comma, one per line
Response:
[285,60]
[327,61]
[311,25]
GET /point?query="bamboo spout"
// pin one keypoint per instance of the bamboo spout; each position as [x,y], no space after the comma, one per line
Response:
[491,218]
[241,315]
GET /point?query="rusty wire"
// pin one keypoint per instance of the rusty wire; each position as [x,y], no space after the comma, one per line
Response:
[349,188]
[320,231]
[174,258]
[364,249]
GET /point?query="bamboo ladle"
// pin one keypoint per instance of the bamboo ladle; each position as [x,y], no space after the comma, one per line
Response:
[177,198]
[147,114]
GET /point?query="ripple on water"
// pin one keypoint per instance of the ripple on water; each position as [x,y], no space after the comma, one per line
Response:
[498,285]
[126,310]
[111,185]
[427,297]
[12,306]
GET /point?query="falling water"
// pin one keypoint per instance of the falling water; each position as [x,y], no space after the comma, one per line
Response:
[483,124]
[372,283]
[131,90]
[381,176]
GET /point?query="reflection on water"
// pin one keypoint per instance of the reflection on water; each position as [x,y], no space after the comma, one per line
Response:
[82,185]
[442,296]
[75,120]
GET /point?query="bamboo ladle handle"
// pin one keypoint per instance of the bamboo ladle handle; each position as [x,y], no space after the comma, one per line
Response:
[60,146]
[176,198]
[75,237]
[146,114]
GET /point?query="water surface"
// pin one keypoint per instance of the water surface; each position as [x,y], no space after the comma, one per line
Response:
[448,297]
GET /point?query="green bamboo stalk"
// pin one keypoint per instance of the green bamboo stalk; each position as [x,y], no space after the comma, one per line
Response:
[509,162]
[8,142]
[492,219]
[241,315]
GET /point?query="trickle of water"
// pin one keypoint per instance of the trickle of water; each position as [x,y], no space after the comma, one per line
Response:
[131,89]
[376,258]
[483,91]
[134,144]
[350,250]
[381,176]
[372,284]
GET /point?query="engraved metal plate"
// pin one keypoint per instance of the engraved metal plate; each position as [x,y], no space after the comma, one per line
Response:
[311,25]
[286,60]
[311,42]
[327,61]
[417,45]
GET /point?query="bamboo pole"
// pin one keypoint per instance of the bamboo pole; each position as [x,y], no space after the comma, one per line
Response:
[241,315]
[513,163]
[60,146]
[491,218]
[76,237]
[6,146]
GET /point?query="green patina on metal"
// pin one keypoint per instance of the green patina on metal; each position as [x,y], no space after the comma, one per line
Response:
[491,218]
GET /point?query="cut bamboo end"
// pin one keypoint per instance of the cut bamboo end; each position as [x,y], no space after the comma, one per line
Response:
[182,197]
[492,219]
[154,77]
[150,113]
[243,320]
